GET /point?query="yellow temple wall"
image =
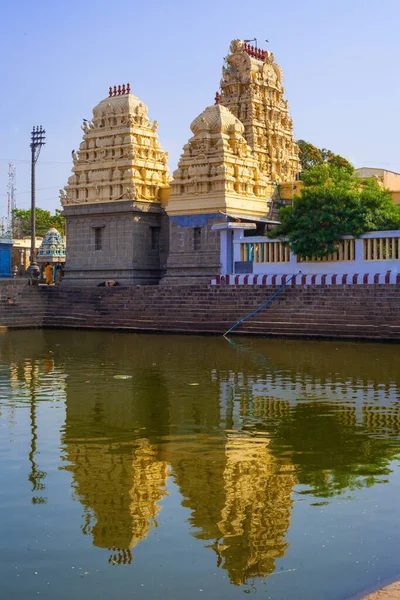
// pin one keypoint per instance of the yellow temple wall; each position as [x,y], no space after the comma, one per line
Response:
[289,189]
[213,203]
[395,196]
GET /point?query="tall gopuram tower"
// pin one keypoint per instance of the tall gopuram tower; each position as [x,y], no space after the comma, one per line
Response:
[113,202]
[218,176]
[252,89]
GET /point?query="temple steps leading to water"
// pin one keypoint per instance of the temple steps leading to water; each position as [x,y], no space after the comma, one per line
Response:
[351,311]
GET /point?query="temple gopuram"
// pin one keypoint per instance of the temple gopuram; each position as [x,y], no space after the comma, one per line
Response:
[252,89]
[113,202]
[127,220]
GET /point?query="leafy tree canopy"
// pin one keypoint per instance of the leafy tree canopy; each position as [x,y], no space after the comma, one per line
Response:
[333,203]
[310,156]
[44,221]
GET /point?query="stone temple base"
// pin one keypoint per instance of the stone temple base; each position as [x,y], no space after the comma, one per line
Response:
[123,277]
[124,241]
[194,249]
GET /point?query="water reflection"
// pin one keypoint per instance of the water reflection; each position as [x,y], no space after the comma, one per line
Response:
[237,428]
[119,476]
[29,380]
[119,488]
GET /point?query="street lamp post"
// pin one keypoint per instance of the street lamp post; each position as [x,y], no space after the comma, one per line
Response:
[37,141]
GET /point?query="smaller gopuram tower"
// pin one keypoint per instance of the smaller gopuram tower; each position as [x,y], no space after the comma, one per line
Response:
[252,89]
[113,203]
[217,177]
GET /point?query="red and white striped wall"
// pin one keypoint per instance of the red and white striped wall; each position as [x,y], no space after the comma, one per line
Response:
[390,277]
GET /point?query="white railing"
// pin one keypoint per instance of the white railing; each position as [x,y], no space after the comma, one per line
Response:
[346,251]
[382,248]
[375,252]
[265,252]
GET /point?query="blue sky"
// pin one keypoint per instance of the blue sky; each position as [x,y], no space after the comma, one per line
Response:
[340,61]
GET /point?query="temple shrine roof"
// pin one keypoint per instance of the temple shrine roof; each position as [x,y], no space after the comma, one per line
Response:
[52,247]
[119,100]
[216,119]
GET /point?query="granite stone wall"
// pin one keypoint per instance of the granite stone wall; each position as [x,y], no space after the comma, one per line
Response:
[370,312]
[21,306]
[194,249]
[123,241]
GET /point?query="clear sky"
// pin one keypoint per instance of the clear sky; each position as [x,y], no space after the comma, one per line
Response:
[340,61]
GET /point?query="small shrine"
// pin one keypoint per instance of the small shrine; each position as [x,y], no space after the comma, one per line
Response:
[52,248]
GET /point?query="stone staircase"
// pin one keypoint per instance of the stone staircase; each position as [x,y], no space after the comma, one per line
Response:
[369,312]
[352,311]
[21,306]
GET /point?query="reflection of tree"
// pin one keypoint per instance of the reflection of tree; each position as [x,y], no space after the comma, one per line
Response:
[331,451]
[32,375]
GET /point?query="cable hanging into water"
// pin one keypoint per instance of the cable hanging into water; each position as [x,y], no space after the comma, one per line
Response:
[262,305]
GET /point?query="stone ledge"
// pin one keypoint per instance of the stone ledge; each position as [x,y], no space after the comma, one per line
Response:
[391,592]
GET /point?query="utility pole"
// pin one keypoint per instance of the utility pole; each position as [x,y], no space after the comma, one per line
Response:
[37,141]
[12,202]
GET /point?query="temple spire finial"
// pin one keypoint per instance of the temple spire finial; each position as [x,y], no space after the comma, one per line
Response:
[120,90]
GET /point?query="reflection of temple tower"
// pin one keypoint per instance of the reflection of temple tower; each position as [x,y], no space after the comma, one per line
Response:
[118,477]
[252,89]
[119,488]
[256,515]
[240,497]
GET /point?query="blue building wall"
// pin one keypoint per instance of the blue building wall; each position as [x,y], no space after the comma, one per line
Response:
[194,220]
[5,257]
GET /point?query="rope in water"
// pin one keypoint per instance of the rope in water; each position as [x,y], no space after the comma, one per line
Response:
[262,305]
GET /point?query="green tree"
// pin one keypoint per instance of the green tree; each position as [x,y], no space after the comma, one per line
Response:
[334,203]
[310,156]
[44,221]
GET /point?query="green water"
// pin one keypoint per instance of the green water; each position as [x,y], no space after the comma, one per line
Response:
[171,467]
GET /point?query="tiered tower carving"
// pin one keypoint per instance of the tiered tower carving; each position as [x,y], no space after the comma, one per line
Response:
[120,493]
[217,169]
[252,89]
[120,157]
[258,506]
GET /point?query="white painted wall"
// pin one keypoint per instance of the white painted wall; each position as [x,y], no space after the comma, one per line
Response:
[359,265]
